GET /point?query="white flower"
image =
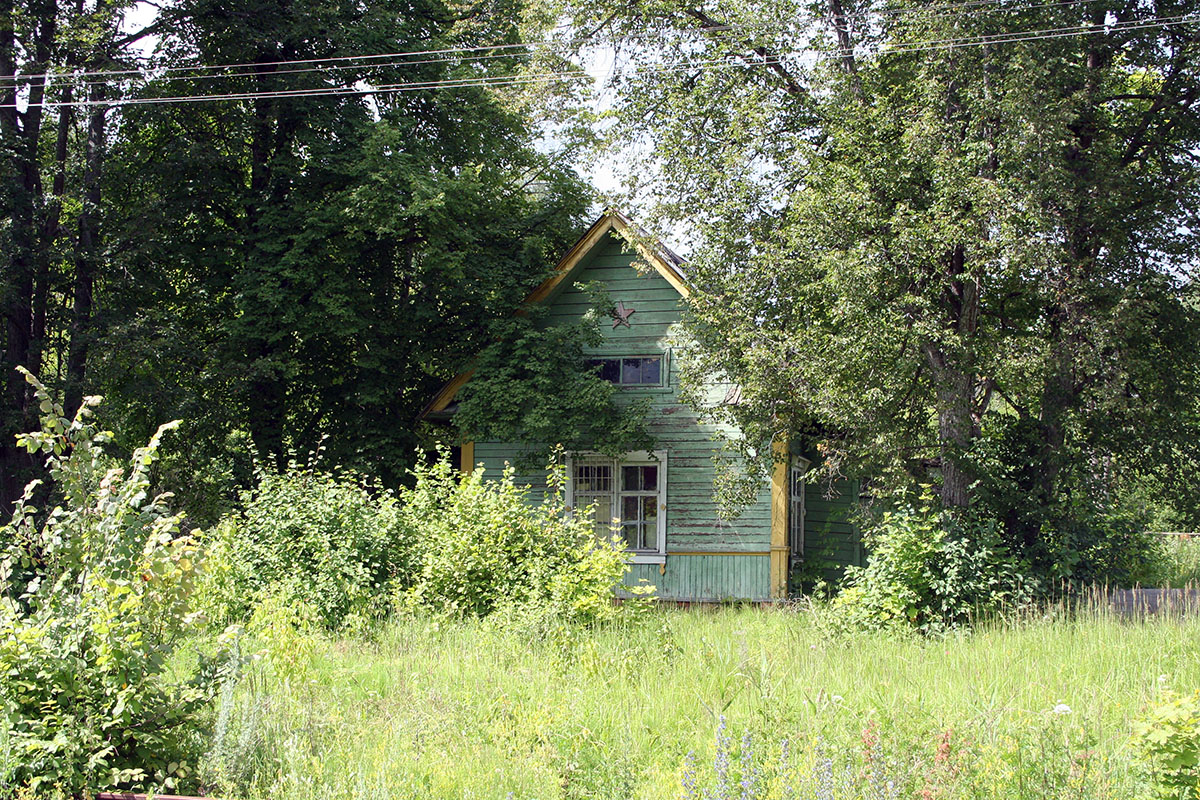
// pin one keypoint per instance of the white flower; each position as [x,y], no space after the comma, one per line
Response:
[1061,709]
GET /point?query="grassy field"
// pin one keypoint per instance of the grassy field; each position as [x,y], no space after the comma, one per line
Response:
[1043,708]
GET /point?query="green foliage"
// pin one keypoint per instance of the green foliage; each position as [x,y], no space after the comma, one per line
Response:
[1168,739]
[329,542]
[93,601]
[487,546]
[899,248]
[1174,562]
[301,268]
[931,571]
[1088,527]
[532,385]
[345,551]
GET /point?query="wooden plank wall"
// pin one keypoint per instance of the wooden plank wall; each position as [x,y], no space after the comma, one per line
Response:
[831,541]
[693,523]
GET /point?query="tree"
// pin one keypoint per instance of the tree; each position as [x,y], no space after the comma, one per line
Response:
[282,270]
[51,157]
[952,244]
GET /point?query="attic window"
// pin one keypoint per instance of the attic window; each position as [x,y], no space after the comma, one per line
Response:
[639,371]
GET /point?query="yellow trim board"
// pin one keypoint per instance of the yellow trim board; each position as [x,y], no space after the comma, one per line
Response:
[610,221]
[779,519]
[466,458]
[448,392]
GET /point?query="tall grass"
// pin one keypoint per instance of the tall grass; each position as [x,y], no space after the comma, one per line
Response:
[463,709]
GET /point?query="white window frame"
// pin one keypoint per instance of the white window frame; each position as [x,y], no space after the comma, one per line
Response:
[656,458]
[797,491]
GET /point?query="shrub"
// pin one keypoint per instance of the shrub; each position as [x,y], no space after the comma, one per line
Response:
[1168,739]
[327,541]
[488,545]
[1175,562]
[932,571]
[93,600]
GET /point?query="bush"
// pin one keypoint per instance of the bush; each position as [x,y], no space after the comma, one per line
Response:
[93,601]
[453,544]
[931,571]
[327,541]
[1175,562]
[486,546]
[1168,739]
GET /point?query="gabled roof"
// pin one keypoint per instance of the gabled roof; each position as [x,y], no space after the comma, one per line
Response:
[661,259]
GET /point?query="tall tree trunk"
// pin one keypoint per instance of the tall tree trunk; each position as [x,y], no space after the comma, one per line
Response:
[1067,337]
[954,381]
[87,247]
[19,134]
[267,399]
[954,404]
[53,214]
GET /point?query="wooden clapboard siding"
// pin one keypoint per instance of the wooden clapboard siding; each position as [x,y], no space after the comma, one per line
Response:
[831,540]
[693,524]
[707,577]
[740,566]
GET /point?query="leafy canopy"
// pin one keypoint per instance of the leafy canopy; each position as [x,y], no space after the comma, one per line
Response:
[967,265]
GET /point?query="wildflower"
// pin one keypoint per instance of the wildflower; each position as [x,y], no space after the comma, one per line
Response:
[689,777]
[1062,709]
[943,749]
[721,763]
[749,769]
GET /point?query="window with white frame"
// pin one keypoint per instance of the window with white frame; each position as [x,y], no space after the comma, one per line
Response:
[796,512]
[627,494]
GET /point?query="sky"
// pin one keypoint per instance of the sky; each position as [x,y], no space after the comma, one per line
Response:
[602,173]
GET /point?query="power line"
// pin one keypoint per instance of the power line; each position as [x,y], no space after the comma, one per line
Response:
[448,54]
[286,62]
[500,81]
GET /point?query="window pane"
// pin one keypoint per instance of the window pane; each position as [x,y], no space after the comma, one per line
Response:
[650,509]
[630,532]
[650,535]
[608,369]
[631,480]
[651,370]
[631,370]
[593,478]
[629,509]
[649,478]
[603,507]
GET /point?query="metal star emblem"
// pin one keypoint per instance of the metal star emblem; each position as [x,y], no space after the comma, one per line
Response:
[621,315]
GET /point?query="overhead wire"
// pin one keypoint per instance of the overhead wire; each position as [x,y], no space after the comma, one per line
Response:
[500,81]
[450,54]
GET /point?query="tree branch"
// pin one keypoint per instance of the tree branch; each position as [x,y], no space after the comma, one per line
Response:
[770,60]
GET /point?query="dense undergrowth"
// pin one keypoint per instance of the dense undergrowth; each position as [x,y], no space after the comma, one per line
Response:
[332,638]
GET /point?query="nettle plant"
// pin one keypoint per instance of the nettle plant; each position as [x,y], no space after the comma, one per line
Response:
[93,601]
[1167,738]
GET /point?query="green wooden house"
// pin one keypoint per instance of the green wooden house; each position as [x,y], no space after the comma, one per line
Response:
[663,501]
